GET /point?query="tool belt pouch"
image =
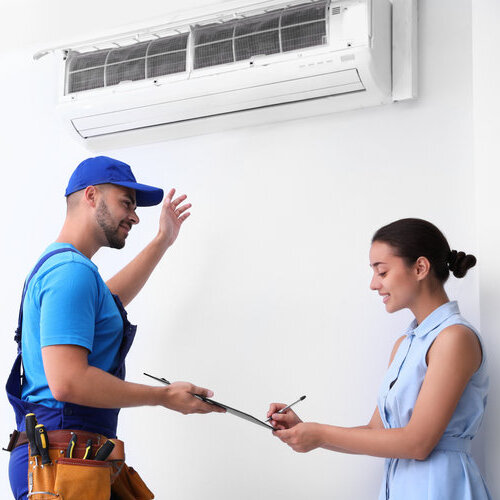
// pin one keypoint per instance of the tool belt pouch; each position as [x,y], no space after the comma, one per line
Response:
[69,479]
[127,484]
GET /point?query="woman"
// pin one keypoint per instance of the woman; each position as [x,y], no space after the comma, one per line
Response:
[433,395]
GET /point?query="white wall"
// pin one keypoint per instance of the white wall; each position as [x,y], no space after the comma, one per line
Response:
[265,295]
[486,72]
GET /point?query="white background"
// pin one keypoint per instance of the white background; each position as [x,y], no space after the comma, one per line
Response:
[265,294]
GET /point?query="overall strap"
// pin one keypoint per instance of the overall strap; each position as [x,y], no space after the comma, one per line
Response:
[19,332]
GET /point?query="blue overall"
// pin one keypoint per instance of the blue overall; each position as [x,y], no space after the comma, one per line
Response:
[69,416]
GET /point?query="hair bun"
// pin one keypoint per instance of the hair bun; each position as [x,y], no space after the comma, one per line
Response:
[460,262]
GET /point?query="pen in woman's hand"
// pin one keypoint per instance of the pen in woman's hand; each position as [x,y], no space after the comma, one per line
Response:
[286,407]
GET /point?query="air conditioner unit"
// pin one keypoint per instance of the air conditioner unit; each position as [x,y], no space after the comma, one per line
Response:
[280,60]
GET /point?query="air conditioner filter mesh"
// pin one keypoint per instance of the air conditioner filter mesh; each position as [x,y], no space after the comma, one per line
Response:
[274,32]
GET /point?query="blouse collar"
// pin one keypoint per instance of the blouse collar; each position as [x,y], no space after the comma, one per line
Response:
[433,320]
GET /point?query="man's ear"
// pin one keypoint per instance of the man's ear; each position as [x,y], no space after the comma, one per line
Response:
[422,268]
[90,195]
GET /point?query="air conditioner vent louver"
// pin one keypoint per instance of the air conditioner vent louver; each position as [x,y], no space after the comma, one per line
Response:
[275,32]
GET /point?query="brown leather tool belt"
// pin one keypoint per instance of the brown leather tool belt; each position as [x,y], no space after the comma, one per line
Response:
[59,439]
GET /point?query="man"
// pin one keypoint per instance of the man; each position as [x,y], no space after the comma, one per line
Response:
[74,333]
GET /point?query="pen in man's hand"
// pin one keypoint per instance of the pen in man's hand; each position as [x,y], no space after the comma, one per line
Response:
[286,407]
[163,380]
[197,396]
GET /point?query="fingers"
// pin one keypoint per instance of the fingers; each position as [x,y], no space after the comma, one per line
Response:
[284,420]
[174,203]
[186,398]
[168,198]
[179,210]
[278,427]
[178,200]
[201,391]
[283,434]
[282,417]
[274,407]
[204,407]
[177,206]
[288,436]
[182,209]
[209,408]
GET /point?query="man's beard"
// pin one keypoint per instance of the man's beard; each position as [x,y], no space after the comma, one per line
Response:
[103,218]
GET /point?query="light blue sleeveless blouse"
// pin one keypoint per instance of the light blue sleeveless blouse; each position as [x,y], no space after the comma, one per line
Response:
[449,472]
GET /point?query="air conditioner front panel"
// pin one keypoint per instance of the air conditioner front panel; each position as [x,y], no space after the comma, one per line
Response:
[175,110]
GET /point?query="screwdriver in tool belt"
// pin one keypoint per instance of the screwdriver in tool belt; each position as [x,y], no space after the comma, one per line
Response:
[42,441]
[88,450]
[71,445]
[104,451]
[31,422]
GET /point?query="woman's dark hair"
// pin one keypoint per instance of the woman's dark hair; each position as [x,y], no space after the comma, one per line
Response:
[414,238]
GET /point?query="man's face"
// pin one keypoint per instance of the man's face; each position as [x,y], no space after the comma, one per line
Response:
[116,213]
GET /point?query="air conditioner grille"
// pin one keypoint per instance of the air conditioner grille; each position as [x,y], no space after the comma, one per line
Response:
[132,70]
[86,80]
[303,14]
[166,64]
[278,31]
[168,44]
[90,60]
[274,32]
[300,37]
[213,33]
[214,53]
[127,53]
[102,68]
[260,44]
[258,23]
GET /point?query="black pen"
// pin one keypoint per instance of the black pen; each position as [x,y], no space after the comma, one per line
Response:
[163,380]
[286,407]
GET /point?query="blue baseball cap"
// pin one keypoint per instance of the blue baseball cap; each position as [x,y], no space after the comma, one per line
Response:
[105,170]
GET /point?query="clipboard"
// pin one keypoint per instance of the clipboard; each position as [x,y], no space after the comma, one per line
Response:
[229,409]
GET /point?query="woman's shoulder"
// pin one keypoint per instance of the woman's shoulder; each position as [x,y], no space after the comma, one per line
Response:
[459,344]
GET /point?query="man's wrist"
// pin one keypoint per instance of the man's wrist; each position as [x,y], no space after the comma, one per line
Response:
[161,242]
[158,396]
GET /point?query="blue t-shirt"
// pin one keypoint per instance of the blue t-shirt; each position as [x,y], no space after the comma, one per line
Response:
[67,302]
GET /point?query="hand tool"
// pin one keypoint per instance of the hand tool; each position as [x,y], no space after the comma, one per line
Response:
[71,446]
[88,450]
[42,441]
[104,451]
[31,422]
